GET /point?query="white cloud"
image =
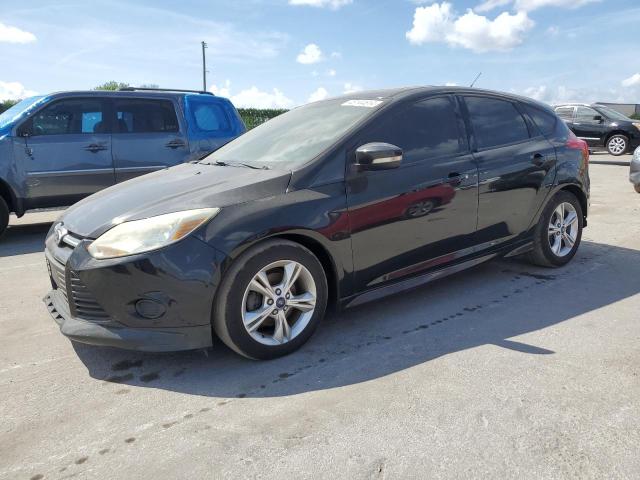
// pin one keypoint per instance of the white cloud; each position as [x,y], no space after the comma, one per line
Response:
[320,94]
[331,72]
[14,91]
[222,91]
[530,5]
[336,55]
[11,34]
[351,88]
[253,97]
[333,4]
[310,54]
[553,30]
[632,81]
[439,23]
[556,94]
[451,84]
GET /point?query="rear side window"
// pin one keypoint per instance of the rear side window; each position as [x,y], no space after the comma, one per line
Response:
[145,116]
[565,113]
[69,117]
[496,122]
[208,116]
[425,130]
[587,115]
[545,121]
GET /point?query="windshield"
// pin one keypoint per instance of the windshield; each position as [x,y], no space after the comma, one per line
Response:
[613,114]
[296,137]
[19,109]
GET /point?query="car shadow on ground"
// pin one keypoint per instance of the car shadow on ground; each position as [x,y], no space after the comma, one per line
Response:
[488,305]
[23,239]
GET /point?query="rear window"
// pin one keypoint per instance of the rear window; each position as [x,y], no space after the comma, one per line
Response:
[145,116]
[565,113]
[545,121]
[208,116]
[496,122]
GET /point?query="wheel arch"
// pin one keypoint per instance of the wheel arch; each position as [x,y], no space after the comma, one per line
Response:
[616,132]
[9,196]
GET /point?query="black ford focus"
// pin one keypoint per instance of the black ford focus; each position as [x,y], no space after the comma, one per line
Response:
[337,202]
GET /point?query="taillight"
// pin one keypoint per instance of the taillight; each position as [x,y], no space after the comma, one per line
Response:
[575,143]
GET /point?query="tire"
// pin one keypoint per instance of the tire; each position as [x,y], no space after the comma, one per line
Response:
[617,145]
[637,187]
[544,253]
[4,216]
[236,303]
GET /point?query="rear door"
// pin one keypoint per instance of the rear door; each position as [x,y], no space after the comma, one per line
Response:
[514,161]
[147,136]
[589,125]
[67,155]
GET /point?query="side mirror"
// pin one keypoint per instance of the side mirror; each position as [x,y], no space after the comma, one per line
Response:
[598,118]
[378,156]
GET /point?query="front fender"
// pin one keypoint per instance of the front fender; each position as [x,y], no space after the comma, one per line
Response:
[317,216]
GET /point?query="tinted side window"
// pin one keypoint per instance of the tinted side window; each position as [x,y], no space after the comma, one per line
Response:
[208,116]
[425,129]
[586,115]
[496,122]
[545,121]
[69,117]
[565,113]
[145,116]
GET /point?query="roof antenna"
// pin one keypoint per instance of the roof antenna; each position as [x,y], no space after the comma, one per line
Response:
[476,79]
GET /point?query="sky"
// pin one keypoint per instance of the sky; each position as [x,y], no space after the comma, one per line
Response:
[283,53]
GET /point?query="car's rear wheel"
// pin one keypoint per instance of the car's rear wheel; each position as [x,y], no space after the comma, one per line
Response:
[4,215]
[271,300]
[617,145]
[559,231]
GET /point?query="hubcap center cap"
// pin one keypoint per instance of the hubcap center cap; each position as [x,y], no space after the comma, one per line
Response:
[281,302]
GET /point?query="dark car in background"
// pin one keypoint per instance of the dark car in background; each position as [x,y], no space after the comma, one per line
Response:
[59,148]
[601,127]
[340,201]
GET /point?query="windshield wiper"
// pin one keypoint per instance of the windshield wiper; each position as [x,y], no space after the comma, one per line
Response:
[220,163]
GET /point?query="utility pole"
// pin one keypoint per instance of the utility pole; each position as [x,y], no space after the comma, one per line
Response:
[204,67]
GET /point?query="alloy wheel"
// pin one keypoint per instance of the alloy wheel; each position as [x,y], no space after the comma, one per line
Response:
[617,145]
[563,229]
[279,302]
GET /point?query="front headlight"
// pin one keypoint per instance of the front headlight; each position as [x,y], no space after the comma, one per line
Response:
[148,234]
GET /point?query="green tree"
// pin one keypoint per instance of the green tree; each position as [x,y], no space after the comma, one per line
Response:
[112,85]
[7,104]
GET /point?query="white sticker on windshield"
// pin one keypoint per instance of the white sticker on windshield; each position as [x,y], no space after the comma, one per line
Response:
[362,103]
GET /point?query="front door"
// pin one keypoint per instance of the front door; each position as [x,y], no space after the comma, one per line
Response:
[421,215]
[589,125]
[147,136]
[514,167]
[66,154]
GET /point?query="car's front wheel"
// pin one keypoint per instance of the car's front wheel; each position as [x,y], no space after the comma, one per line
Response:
[617,145]
[270,300]
[559,231]
[4,215]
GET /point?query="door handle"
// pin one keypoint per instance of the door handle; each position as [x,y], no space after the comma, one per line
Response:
[538,159]
[177,143]
[95,147]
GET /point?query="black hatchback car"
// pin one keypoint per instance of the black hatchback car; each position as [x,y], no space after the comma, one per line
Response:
[340,201]
[601,126]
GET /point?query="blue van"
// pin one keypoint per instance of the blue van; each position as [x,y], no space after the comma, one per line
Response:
[57,149]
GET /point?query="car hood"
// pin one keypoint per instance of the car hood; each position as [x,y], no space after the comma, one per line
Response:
[183,187]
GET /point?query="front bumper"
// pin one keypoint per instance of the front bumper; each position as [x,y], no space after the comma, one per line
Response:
[97,301]
[634,171]
[141,339]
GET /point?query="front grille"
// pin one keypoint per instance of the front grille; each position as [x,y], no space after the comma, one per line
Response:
[79,299]
[86,306]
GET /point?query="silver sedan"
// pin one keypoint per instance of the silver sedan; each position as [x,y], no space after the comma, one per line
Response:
[634,175]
